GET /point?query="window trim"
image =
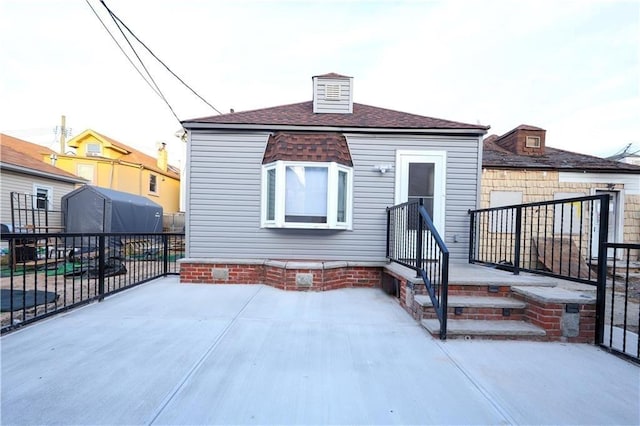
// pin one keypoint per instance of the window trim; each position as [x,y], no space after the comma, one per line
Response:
[97,153]
[93,171]
[280,195]
[533,142]
[49,190]
[157,184]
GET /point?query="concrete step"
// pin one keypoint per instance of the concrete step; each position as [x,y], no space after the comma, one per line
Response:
[485,329]
[475,308]
[474,302]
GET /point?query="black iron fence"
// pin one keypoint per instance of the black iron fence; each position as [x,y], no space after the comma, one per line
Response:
[46,273]
[560,238]
[413,241]
[620,313]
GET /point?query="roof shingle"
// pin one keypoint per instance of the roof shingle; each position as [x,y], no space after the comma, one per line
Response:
[29,155]
[363,116]
[307,147]
[553,159]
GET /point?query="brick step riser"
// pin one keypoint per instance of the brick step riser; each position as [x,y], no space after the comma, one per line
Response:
[479,290]
[478,314]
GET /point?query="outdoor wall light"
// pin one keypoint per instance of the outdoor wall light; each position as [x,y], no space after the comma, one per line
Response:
[383,168]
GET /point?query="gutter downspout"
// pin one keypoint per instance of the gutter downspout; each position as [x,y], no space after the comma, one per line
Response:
[113,165]
[141,168]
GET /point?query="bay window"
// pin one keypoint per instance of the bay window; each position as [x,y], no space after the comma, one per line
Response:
[306,195]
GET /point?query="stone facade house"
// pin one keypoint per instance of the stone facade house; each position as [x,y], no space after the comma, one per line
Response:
[519,167]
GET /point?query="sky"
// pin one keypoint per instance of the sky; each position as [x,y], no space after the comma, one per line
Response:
[570,67]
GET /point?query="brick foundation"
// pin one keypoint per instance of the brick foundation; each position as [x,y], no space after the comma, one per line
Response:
[285,275]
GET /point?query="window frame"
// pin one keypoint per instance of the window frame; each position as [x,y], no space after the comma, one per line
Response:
[533,141]
[86,167]
[89,153]
[156,183]
[279,199]
[49,191]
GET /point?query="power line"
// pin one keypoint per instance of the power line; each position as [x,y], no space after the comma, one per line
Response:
[140,60]
[120,24]
[163,64]
[121,49]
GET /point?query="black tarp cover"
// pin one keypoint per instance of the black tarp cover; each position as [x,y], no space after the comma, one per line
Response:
[91,209]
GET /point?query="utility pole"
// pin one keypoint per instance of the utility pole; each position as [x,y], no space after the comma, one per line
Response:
[63,134]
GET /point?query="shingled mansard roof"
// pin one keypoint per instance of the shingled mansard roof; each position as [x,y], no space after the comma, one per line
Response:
[495,156]
[301,114]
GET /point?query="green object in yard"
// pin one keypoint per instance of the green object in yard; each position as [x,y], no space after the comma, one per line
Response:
[6,272]
[63,268]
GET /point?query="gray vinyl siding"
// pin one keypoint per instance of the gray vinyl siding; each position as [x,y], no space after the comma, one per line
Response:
[224,189]
[373,191]
[341,106]
[23,183]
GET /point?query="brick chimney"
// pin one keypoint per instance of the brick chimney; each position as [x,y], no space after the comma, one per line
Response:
[163,158]
[523,140]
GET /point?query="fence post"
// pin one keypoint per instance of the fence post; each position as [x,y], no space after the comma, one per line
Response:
[472,235]
[603,232]
[419,238]
[388,231]
[165,254]
[516,254]
[101,265]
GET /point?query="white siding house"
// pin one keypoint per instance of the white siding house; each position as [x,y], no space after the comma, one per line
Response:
[309,183]
[22,171]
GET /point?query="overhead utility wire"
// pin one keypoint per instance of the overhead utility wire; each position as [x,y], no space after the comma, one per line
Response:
[113,15]
[121,49]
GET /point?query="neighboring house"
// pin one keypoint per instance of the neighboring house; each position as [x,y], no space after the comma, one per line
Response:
[108,163]
[310,182]
[518,167]
[23,171]
[630,154]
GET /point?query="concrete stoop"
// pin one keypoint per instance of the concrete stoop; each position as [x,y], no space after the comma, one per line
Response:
[481,317]
[487,329]
[519,312]
[487,306]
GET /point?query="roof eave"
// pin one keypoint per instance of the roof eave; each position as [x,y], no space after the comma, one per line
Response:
[39,173]
[561,169]
[275,127]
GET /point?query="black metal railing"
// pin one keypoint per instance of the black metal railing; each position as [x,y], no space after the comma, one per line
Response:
[413,241]
[46,273]
[560,238]
[619,329]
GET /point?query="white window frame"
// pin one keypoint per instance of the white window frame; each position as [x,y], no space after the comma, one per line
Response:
[84,166]
[533,142]
[279,221]
[49,191]
[93,153]
[157,183]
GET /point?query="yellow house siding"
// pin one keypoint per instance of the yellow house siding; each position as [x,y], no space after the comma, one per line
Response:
[121,168]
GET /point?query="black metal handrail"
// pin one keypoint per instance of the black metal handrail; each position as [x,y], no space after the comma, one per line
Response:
[553,238]
[414,242]
[619,329]
[47,273]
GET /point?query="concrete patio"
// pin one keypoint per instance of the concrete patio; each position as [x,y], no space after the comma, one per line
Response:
[166,353]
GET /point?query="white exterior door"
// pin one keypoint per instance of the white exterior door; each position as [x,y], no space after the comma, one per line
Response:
[421,174]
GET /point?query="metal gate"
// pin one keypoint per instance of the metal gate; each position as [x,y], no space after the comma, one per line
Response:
[619,303]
